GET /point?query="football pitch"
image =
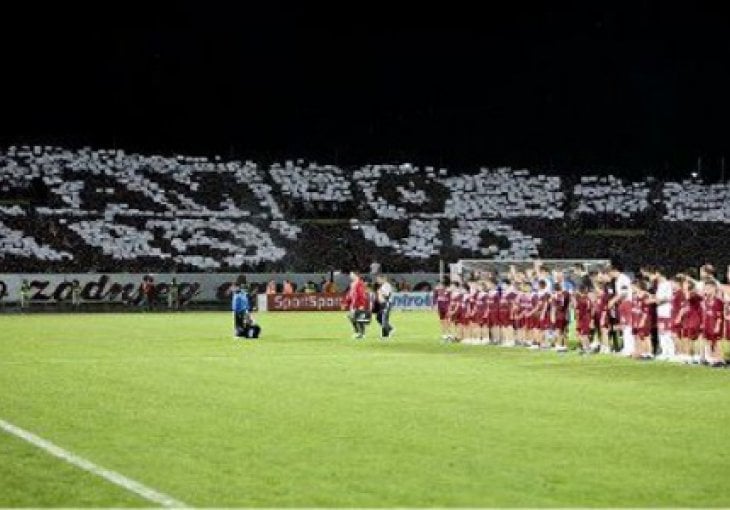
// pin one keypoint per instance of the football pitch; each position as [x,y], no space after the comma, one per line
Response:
[307,417]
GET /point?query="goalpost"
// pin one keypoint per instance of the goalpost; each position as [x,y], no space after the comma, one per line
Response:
[466,269]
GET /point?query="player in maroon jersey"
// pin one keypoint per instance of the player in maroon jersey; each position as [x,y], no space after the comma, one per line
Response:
[678,308]
[492,311]
[507,300]
[522,319]
[541,315]
[602,323]
[463,324]
[441,301]
[712,323]
[641,320]
[479,315]
[691,320]
[533,318]
[559,312]
[583,305]
[455,309]
[726,313]
[472,320]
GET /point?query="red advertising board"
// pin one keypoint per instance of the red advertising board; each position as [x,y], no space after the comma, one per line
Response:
[303,302]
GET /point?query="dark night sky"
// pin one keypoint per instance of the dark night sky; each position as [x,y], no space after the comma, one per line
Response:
[636,85]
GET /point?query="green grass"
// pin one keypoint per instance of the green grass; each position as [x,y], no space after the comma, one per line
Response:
[308,417]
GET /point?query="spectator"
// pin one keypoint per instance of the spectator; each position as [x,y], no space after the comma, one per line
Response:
[76,293]
[24,294]
[173,295]
[374,268]
[271,287]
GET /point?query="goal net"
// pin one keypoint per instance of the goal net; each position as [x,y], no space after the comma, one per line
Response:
[468,269]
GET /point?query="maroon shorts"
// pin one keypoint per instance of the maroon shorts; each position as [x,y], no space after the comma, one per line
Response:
[710,335]
[464,318]
[583,327]
[601,324]
[493,320]
[443,312]
[641,332]
[560,324]
[691,331]
[676,327]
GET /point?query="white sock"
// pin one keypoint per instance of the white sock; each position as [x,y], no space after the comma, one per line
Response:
[628,341]
[667,345]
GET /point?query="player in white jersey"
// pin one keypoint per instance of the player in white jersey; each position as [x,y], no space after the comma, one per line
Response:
[663,296]
[383,296]
[622,300]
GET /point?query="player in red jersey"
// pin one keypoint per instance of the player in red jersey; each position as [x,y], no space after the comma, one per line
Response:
[678,307]
[455,311]
[583,305]
[559,312]
[357,302]
[641,320]
[480,320]
[712,323]
[522,312]
[472,320]
[601,319]
[507,300]
[468,302]
[492,311]
[541,315]
[726,313]
[691,320]
[441,301]
[463,314]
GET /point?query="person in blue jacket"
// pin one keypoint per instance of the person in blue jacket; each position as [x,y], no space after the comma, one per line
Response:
[240,307]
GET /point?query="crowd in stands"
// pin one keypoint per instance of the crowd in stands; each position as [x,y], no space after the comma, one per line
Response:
[107,210]
[312,190]
[609,195]
[697,202]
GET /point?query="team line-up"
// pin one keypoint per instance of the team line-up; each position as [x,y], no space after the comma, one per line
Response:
[678,319]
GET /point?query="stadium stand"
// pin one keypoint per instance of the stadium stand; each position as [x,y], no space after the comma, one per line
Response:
[601,195]
[693,201]
[106,210]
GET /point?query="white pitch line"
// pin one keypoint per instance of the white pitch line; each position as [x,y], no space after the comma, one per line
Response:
[107,474]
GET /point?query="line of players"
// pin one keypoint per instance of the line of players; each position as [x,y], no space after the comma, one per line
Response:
[679,319]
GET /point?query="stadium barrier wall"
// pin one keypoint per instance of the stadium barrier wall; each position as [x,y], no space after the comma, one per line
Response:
[412,300]
[194,287]
[304,302]
[333,302]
